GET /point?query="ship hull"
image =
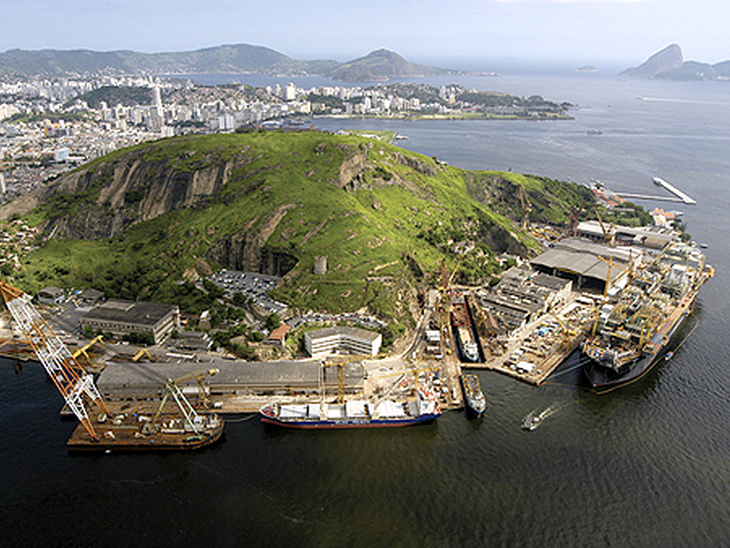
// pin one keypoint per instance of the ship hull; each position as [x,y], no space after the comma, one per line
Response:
[350,423]
[123,440]
[600,376]
[476,402]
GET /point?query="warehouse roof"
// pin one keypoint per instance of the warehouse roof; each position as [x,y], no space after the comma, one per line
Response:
[585,258]
[116,310]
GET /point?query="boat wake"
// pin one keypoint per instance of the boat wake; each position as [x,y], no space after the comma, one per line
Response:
[535,419]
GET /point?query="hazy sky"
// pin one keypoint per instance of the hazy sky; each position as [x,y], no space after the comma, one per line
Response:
[426,31]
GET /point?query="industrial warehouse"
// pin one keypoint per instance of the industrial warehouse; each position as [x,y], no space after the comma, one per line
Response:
[144,381]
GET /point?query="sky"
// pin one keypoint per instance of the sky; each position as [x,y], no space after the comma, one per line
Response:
[466,34]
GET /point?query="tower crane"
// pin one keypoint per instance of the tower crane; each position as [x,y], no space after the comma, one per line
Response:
[56,358]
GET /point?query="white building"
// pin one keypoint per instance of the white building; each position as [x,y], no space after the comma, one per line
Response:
[349,339]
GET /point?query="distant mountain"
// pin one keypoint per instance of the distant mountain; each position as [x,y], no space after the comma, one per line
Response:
[668,59]
[226,58]
[381,65]
[669,64]
[238,58]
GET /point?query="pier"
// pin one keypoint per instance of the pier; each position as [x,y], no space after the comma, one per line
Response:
[679,196]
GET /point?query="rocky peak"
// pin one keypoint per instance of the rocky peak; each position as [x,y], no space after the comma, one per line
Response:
[668,59]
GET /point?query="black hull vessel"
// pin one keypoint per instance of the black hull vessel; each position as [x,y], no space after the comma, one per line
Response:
[638,327]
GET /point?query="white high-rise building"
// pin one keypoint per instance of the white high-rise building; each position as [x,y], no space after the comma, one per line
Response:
[157,99]
[290,92]
[3,188]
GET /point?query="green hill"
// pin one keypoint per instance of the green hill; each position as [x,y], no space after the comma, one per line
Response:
[381,65]
[139,221]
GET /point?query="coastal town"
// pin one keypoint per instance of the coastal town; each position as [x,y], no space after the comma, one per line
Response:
[48,126]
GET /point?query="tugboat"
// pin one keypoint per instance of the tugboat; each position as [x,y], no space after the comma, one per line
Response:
[476,402]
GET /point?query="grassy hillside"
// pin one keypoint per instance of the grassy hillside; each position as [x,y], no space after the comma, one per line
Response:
[385,219]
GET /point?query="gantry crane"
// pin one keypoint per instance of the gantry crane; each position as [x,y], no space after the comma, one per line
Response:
[56,358]
[340,362]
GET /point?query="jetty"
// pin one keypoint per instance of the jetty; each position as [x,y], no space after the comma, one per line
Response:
[678,195]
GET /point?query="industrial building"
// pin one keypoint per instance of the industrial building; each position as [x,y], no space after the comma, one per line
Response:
[123,317]
[586,263]
[142,381]
[322,342]
[521,294]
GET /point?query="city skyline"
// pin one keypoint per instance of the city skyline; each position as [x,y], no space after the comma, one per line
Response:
[468,34]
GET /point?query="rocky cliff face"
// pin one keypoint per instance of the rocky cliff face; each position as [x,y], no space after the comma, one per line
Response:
[104,199]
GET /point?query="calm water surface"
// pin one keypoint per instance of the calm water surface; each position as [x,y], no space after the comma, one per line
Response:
[645,465]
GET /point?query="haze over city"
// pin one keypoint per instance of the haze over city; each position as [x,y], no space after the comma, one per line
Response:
[466,33]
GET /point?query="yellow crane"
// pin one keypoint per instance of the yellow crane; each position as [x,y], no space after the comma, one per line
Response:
[446,280]
[82,351]
[199,378]
[141,352]
[195,423]
[340,362]
[608,236]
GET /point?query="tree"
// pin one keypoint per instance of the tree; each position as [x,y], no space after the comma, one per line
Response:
[272,321]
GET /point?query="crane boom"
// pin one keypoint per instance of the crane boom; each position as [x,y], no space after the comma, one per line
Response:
[56,358]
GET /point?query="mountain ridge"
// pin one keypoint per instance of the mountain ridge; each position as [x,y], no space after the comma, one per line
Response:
[669,64]
[227,58]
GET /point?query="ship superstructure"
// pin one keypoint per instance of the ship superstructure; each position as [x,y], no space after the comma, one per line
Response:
[632,329]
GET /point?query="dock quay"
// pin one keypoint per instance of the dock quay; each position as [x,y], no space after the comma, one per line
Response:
[16,350]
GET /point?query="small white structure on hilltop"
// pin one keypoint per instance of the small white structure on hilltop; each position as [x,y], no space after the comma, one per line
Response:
[321,342]
[320,265]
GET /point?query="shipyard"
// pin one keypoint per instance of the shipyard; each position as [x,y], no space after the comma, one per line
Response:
[613,295]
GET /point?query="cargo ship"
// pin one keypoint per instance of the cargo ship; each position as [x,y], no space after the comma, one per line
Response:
[462,328]
[476,402]
[633,331]
[353,414]
[133,433]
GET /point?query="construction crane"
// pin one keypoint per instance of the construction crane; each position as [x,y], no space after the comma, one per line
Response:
[55,356]
[83,349]
[142,352]
[607,236]
[574,216]
[526,205]
[195,423]
[199,378]
[340,362]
